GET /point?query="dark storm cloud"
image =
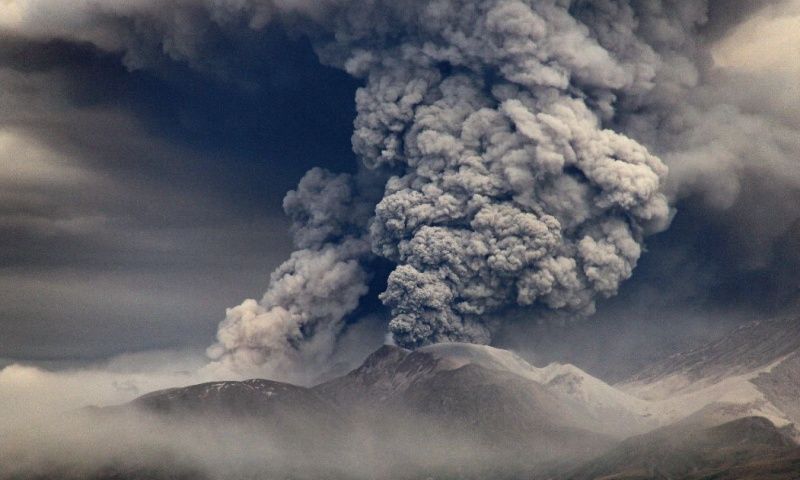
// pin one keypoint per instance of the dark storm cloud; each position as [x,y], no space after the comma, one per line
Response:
[726,14]
[137,205]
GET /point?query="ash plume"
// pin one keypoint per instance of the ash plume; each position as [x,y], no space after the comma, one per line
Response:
[504,187]
[514,154]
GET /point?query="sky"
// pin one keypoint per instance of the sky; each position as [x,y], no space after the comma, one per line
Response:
[142,180]
[138,205]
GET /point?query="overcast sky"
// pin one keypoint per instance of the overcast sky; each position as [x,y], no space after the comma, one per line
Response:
[138,205]
[141,198]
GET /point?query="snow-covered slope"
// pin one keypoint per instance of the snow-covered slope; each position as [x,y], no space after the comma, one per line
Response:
[749,348]
[491,413]
[754,370]
[723,400]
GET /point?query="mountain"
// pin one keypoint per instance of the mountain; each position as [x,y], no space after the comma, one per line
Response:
[251,397]
[447,411]
[689,451]
[469,398]
[563,392]
[276,406]
[752,371]
[496,401]
[725,410]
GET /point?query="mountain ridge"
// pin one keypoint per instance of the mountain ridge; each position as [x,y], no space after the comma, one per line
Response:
[475,411]
[510,407]
[722,381]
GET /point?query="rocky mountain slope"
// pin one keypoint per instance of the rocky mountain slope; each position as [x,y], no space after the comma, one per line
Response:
[753,371]
[262,398]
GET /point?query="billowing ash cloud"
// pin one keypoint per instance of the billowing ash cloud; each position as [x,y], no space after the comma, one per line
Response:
[504,188]
[500,149]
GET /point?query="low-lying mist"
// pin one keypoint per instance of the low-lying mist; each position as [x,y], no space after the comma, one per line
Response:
[79,424]
[91,444]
